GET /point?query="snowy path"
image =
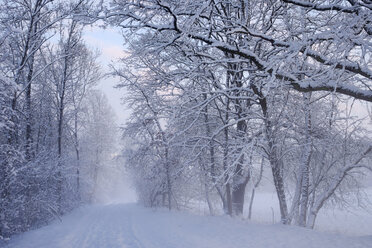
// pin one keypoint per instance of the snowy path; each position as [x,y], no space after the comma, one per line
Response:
[131,226]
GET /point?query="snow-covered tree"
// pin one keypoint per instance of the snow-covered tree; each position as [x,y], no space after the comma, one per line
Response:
[235,82]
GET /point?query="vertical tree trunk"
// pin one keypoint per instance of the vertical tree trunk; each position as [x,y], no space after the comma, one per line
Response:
[228,206]
[276,169]
[305,163]
[169,188]
[59,169]
[251,203]
[212,155]
[95,172]
[77,151]
[167,171]
[311,219]
[234,76]
[239,180]
[29,140]
[210,205]
[275,161]
[204,179]
[13,133]
[254,189]
[78,173]
[240,177]
[238,193]
[28,120]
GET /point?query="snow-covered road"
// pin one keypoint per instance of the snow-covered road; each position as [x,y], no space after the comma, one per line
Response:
[131,226]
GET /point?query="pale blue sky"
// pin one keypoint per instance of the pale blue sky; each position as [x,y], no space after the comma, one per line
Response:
[111,45]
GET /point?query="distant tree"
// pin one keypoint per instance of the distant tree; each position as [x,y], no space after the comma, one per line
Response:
[97,139]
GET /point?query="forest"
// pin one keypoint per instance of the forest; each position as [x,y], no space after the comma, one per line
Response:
[51,115]
[224,90]
[222,94]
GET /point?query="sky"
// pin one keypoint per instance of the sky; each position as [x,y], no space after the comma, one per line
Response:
[110,43]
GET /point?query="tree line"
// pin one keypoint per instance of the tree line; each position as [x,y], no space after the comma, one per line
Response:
[55,127]
[222,91]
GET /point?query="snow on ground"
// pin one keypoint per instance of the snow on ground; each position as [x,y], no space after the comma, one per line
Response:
[354,221]
[132,226]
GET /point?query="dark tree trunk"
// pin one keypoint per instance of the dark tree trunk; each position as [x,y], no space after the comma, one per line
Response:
[169,190]
[212,156]
[254,190]
[228,206]
[240,178]
[305,163]
[29,111]
[238,193]
[279,186]
[77,151]
[59,169]
[78,173]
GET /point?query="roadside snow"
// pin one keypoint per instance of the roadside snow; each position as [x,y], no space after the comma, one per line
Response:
[132,226]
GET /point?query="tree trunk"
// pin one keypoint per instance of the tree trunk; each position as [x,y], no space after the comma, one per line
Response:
[254,189]
[212,154]
[228,206]
[13,133]
[238,193]
[29,113]
[305,163]
[210,205]
[239,179]
[275,162]
[311,219]
[59,173]
[78,173]
[279,186]
[251,203]
[77,151]
[167,171]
